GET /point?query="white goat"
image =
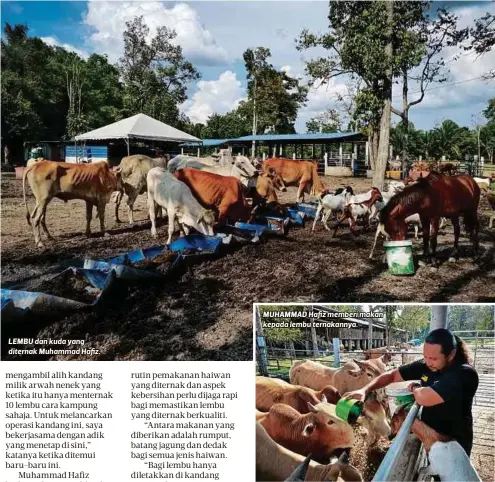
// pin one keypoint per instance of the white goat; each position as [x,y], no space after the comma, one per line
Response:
[332,203]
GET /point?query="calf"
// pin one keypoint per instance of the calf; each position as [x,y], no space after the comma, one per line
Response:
[311,433]
[177,199]
[270,391]
[93,183]
[274,462]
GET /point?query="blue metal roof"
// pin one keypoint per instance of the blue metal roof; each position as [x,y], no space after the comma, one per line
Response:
[315,137]
[300,137]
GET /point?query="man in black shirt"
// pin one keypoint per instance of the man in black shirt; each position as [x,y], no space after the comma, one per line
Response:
[446,386]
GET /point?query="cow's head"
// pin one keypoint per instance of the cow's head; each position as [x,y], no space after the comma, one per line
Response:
[245,166]
[324,431]
[366,370]
[277,181]
[331,394]
[375,416]
[207,220]
[398,418]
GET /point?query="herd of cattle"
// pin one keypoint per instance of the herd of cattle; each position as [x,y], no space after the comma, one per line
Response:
[198,192]
[296,419]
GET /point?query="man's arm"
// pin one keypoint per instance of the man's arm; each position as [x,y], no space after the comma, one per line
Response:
[382,381]
[426,396]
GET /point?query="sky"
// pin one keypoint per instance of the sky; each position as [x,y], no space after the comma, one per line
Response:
[214,35]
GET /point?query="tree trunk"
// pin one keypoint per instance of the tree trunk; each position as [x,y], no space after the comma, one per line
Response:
[405,121]
[383,146]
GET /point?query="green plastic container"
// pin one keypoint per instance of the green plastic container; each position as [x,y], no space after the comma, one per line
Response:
[405,399]
[399,257]
[349,410]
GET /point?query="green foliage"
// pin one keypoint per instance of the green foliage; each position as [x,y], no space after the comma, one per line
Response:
[155,74]
[470,317]
[49,93]
[413,319]
[278,96]
[328,121]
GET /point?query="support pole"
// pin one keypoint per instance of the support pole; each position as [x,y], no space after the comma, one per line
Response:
[128,146]
[438,317]
[336,352]
[261,345]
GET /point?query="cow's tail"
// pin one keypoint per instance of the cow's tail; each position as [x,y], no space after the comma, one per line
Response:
[24,175]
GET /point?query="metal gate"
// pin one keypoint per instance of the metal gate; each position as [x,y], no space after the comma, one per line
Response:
[482,346]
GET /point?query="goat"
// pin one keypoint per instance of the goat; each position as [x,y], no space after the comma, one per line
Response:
[355,209]
[332,203]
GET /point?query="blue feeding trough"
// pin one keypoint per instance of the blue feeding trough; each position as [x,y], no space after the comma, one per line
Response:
[137,255]
[241,232]
[122,264]
[198,243]
[275,224]
[296,217]
[255,231]
[80,289]
[307,208]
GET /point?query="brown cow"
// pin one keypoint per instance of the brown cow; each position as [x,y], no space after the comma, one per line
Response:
[222,193]
[93,183]
[311,433]
[345,379]
[380,357]
[297,173]
[270,391]
[274,462]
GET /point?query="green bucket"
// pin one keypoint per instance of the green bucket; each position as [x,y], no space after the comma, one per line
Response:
[349,410]
[399,257]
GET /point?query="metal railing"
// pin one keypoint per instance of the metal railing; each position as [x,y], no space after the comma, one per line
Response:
[390,463]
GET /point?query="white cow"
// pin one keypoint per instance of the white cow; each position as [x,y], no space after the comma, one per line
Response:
[177,199]
[241,167]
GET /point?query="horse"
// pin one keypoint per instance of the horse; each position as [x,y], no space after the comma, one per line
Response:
[434,197]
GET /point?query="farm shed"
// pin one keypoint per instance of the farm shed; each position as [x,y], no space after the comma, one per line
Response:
[337,153]
[136,128]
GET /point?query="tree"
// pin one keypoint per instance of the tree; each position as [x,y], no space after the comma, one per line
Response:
[155,74]
[34,102]
[378,42]
[226,126]
[413,319]
[328,121]
[274,97]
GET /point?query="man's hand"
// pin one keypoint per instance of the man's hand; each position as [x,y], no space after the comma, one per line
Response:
[413,385]
[359,395]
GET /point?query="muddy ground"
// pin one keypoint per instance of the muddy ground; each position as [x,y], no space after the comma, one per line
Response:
[205,313]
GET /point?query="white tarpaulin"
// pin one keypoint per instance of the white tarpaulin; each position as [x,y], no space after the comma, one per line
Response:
[139,126]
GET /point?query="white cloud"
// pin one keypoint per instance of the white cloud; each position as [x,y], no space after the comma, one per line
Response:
[107,21]
[320,98]
[214,96]
[52,41]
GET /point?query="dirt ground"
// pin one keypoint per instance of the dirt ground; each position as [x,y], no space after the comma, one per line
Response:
[206,313]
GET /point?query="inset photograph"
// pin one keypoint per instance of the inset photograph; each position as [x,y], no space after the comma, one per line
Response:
[375,392]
